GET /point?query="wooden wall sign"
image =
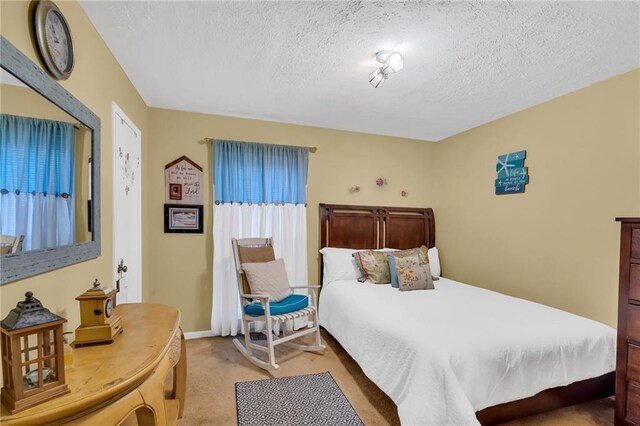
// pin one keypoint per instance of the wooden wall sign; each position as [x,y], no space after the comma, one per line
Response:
[512,174]
[183,182]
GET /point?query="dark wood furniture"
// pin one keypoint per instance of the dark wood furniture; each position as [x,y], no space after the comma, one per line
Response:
[628,359]
[375,227]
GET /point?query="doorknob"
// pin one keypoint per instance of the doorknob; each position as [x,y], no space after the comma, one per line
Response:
[121,267]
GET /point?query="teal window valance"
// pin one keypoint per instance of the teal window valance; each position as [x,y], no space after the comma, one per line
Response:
[248,172]
[36,156]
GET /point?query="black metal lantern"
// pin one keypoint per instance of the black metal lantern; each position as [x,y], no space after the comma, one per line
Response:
[32,355]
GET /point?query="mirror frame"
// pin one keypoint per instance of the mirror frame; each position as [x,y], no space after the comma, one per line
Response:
[21,265]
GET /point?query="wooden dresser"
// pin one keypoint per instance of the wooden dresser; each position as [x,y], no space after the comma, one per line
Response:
[628,359]
[109,382]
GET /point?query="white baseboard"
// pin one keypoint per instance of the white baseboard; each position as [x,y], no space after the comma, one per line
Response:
[198,334]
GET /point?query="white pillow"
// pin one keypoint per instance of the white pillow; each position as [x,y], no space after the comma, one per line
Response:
[268,278]
[339,264]
[434,261]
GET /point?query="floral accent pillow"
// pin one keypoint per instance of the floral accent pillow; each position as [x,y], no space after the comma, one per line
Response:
[374,266]
[404,259]
[416,277]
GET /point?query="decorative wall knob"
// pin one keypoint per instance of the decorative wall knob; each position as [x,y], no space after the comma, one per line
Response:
[121,267]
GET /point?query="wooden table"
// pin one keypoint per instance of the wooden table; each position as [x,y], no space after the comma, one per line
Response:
[110,381]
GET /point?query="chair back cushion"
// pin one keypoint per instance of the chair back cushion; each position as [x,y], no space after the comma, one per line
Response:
[268,278]
[248,254]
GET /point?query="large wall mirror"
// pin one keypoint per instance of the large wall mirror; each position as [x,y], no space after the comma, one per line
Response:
[49,172]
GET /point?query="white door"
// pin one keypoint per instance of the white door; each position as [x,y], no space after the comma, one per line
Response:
[127,208]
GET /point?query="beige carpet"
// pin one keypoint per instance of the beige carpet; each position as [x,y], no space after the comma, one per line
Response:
[214,366]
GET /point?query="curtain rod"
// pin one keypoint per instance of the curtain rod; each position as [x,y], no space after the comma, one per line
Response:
[312,149]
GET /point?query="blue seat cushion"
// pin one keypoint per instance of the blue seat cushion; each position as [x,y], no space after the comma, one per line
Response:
[292,303]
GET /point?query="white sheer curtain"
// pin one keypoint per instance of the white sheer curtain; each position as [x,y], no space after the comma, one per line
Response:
[44,220]
[286,224]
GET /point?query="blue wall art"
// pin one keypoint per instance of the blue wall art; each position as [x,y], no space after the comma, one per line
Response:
[512,174]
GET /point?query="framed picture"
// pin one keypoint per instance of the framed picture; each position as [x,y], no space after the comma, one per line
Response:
[183,218]
[175,191]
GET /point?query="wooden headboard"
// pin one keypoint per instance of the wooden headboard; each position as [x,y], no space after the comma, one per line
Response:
[375,227]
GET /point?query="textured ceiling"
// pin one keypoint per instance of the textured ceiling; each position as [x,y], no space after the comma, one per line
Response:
[466,63]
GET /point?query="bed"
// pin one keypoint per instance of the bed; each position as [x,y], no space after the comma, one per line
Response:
[457,354]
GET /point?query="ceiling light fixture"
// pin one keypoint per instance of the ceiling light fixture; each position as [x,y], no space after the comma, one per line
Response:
[377,78]
[392,62]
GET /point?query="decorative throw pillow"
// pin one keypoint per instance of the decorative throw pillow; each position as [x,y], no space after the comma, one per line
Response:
[405,258]
[393,270]
[268,278]
[417,277]
[374,266]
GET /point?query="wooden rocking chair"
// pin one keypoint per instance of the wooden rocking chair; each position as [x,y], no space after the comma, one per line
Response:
[11,244]
[259,250]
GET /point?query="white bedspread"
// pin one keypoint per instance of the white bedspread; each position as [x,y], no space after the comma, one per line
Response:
[443,354]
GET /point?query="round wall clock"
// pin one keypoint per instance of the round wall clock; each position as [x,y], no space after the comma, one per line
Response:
[54,40]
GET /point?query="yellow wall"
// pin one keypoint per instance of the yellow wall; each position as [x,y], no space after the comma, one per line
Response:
[97,81]
[26,102]
[557,243]
[178,267]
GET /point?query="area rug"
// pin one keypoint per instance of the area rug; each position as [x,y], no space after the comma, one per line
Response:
[312,399]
